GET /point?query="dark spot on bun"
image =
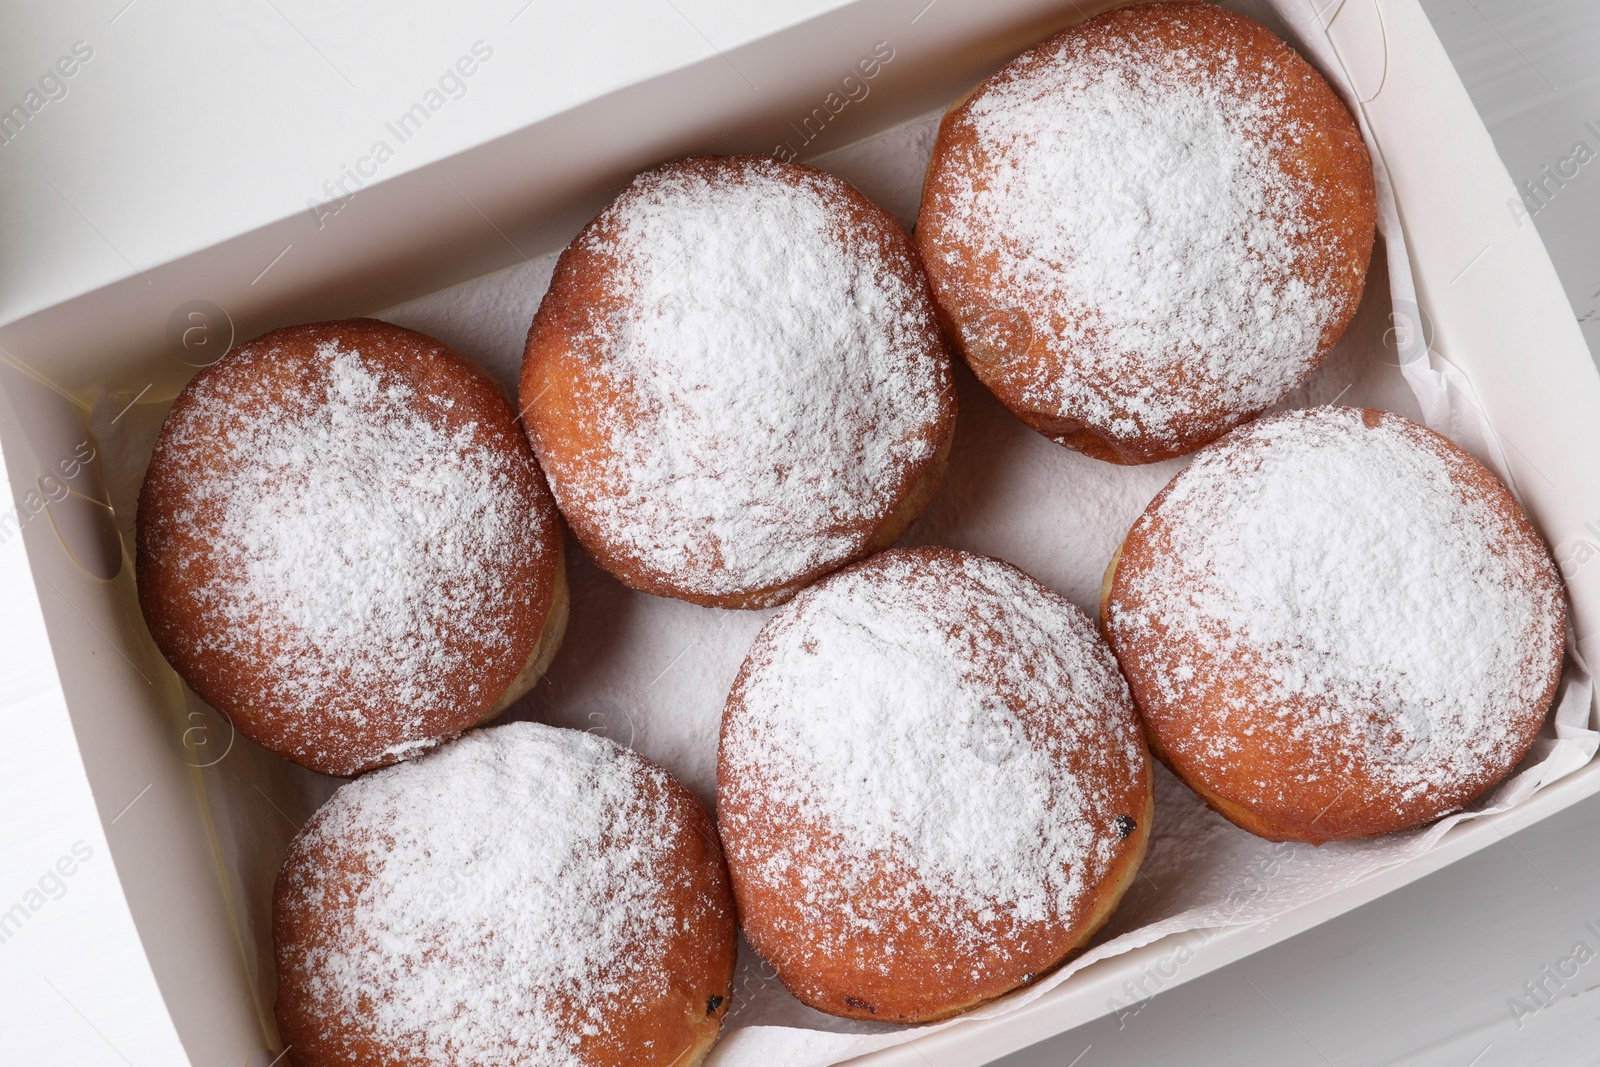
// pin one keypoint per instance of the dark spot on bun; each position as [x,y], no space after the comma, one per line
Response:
[712,1004]
[1125,826]
[860,1005]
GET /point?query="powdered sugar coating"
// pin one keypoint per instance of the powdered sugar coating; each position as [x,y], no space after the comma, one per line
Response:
[1134,231]
[1332,605]
[926,748]
[512,897]
[757,376]
[339,553]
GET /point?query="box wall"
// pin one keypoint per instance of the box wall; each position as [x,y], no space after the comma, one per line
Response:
[120,698]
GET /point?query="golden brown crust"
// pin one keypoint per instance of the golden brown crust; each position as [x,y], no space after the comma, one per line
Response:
[893,528]
[551,634]
[1011,349]
[1311,801]
[328,876]
[679,1030]
[575,417]
[919,992]
[825,955]
[186,565]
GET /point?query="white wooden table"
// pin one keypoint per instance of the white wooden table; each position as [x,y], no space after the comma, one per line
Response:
[1479,965]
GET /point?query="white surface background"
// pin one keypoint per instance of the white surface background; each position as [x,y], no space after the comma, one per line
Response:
[1426,975]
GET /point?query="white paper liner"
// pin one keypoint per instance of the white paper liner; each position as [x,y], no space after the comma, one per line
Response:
[653,673]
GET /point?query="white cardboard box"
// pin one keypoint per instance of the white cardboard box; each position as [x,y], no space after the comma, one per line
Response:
[117,934]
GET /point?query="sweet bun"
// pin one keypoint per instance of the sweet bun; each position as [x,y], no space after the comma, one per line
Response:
[346,547]
[1148,228]
[736,382]
[520,895]
[1335,624]
[931,786]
